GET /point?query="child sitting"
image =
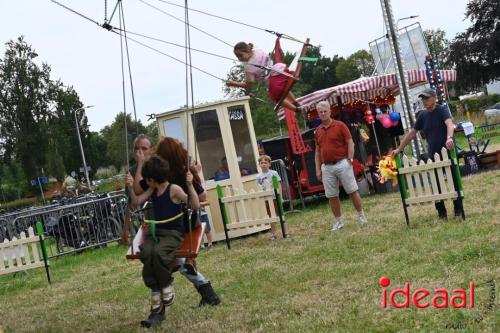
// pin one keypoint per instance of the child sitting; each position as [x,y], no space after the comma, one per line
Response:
[159,246]
[257,63]
[265,182]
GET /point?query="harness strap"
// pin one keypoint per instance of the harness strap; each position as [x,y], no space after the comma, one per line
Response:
[152,224]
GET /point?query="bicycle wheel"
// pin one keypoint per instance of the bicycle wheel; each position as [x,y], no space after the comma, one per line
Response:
[110,229]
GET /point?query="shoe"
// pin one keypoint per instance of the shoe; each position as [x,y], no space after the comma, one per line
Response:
[443,217]
[155,318]
[208,295]
[273,237]
[337,226]
[362,219]
[168,295]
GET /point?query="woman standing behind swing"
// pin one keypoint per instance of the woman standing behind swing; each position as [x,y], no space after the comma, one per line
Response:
[254,61]
[172,151]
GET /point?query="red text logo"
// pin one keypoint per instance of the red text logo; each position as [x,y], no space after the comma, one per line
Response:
[423,298]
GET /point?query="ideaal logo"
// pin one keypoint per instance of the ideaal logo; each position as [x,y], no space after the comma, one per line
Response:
[439,298]
[422,298]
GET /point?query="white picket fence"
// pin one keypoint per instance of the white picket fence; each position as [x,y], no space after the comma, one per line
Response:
[20,254]
[423,186]
[248,209]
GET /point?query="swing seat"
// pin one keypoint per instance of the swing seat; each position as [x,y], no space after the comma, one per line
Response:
[189,249]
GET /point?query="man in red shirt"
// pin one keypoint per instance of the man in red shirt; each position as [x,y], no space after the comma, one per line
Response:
[334,158]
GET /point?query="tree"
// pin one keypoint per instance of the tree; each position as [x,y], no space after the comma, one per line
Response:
[476,52]
[358,64]
[114,136]
[23,107]
[363,61]
[61,131]
[152,132]
[96,153]
[438,46]
[347,70]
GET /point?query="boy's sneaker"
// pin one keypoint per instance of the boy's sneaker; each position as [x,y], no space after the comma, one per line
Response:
[155,317]
[338,225]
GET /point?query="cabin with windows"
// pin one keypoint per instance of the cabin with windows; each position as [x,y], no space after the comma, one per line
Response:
[221,136]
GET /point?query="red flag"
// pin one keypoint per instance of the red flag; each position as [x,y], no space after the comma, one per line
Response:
[278,53]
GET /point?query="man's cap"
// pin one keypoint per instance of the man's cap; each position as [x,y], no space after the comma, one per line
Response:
[428,92]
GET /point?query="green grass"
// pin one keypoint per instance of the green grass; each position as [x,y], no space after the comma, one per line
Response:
[318,281]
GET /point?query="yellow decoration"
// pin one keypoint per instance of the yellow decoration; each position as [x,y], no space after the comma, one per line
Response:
[388,170]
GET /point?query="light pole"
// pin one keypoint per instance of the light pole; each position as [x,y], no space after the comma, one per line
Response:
[405,18]
[85,170]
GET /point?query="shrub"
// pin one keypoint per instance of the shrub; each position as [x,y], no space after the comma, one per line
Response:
[104,173]
[475,104]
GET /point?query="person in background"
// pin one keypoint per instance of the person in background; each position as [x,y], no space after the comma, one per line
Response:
[203,213]
[142,152]
[264,181]
[223,172]
[435,122]
[334,158]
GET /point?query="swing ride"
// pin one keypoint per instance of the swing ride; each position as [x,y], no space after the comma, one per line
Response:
[210,132]
[241,149]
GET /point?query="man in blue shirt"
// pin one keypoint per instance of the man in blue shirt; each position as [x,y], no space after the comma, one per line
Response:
[437,126]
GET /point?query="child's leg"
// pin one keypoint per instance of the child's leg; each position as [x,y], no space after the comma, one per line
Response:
[210,238]
[292,99]
[146,255]
[164,253]
[156,257]
[157,314]
[287,103]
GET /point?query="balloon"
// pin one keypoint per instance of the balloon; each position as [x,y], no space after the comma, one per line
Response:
[384,117]
[394,116]
[385,121]
[394,123]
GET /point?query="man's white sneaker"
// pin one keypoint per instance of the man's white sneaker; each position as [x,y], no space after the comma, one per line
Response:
[337,226]
[362,219]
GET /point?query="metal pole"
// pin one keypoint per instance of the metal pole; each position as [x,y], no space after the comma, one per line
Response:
[402,80]
[41,189]
[85,170]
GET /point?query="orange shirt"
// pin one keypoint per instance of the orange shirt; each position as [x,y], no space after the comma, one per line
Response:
[331,141]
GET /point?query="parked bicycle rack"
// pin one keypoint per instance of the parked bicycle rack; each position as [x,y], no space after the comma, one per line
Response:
[90,221]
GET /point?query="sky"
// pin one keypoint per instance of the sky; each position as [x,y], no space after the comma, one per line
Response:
[83,55]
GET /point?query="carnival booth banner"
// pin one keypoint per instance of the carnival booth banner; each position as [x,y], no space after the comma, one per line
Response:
[378,90]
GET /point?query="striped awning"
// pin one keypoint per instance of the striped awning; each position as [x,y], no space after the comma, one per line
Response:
[369,88]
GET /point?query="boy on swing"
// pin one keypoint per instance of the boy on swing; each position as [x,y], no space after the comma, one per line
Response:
[165,236]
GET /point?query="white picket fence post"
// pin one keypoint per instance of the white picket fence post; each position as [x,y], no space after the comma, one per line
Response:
[422,185]
[248,209]
[20,254]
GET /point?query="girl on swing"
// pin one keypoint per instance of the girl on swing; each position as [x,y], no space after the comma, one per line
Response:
[159,247]
[254,61]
